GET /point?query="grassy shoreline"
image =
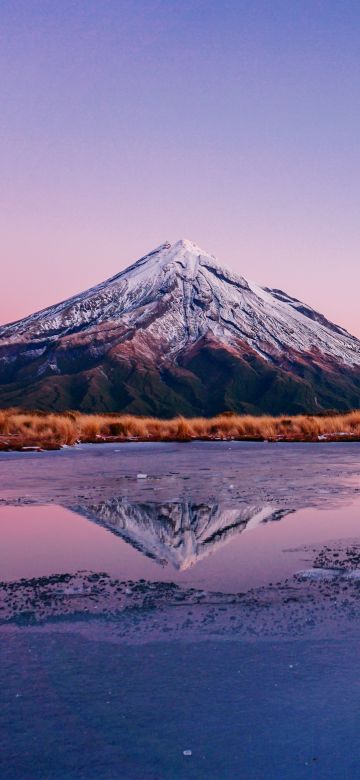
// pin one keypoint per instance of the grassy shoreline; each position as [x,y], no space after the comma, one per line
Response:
[22,431]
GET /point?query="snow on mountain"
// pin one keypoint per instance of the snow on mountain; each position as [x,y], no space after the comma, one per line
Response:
[176,332]
[198,296]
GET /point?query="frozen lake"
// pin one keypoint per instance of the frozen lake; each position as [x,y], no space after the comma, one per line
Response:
[162,598]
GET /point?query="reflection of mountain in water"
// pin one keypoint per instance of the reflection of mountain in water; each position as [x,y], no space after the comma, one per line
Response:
[180,533]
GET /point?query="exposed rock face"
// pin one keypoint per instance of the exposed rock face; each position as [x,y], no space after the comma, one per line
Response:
[178,333]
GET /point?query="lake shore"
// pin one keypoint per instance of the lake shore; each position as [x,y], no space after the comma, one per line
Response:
[37,430]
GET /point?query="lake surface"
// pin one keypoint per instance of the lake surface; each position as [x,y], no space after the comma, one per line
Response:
[180,611]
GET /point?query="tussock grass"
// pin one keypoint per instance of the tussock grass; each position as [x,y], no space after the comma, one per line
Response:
[19,429]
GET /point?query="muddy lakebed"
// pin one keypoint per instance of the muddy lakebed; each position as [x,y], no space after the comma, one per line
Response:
[162,604]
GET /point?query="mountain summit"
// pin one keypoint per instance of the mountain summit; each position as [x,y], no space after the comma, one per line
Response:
[176,332]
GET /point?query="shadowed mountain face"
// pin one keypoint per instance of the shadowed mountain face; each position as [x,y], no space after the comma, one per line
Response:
[178,333]
[179,533]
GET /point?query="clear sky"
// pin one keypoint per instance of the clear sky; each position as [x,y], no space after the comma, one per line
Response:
[235,123]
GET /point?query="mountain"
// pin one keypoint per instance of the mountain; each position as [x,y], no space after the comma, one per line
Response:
[177,333]
[179,533]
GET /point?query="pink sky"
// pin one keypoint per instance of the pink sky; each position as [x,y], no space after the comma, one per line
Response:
[234,125]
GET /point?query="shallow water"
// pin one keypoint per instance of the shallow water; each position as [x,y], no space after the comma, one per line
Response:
[162,598]
[230,555]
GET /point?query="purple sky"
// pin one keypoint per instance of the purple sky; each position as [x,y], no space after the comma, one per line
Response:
[232,123]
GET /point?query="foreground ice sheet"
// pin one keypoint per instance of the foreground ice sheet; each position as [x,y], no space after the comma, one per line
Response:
[74,709]
[294,475]
[134,677]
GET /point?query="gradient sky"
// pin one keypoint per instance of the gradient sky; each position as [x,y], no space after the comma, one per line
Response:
[233,123]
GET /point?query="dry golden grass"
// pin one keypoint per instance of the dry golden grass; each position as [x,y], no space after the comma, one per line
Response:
[19,429]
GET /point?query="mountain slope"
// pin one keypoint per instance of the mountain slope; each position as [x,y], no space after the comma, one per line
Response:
[178,333]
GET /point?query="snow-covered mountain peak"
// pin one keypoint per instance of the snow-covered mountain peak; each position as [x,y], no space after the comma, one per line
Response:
[177,332]
[183,257]
[168,307]
[185,245]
